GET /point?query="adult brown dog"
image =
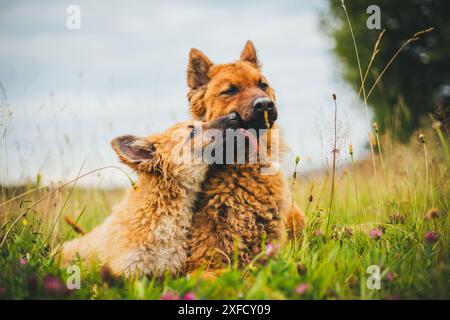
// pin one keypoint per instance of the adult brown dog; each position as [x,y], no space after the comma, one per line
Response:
[238,207]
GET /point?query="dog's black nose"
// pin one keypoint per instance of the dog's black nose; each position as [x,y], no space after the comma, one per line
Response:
[263,104]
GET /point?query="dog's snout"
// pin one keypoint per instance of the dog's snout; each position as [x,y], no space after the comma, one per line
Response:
[230,121]
[233,121]
[263,104]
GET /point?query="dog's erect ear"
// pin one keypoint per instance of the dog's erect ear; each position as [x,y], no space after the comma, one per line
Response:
[249,54]
[198,68]
[133,150]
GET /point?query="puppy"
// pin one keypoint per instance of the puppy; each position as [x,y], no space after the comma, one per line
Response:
[147,232]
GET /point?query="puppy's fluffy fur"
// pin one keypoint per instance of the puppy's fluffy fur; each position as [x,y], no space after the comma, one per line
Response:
[146,233]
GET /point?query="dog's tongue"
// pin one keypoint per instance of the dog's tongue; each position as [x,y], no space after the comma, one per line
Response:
[253,141]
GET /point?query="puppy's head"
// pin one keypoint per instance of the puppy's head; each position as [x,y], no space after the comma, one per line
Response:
[178,151]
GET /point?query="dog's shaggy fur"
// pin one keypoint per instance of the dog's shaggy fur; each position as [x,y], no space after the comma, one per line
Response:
[146,233]
[237,205]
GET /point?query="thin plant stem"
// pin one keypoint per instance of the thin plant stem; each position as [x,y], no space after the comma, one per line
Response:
[422,140]
[333,172]
[363,91]
[372,59]
[294,180]
[354,179]
[310,199]
[377,135]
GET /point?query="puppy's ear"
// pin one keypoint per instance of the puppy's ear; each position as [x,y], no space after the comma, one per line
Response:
[198,69]
[249,54]
[133,150]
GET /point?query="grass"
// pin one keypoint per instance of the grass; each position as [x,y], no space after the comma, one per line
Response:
[413,262]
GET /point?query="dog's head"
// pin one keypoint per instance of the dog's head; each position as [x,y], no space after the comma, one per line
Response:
[217,90]
[178,151]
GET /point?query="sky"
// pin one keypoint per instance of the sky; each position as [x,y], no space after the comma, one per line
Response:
[65,94]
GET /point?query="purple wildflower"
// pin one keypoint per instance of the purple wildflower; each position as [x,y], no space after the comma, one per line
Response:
[54,285]
[376,233]
[390,276]
[271,249]
[189,296]
[431,236]
[302,288]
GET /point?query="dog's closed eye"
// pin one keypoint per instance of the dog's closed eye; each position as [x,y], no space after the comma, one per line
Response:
[232,90]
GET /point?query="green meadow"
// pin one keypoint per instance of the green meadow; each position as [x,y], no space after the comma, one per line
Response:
[383,235]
